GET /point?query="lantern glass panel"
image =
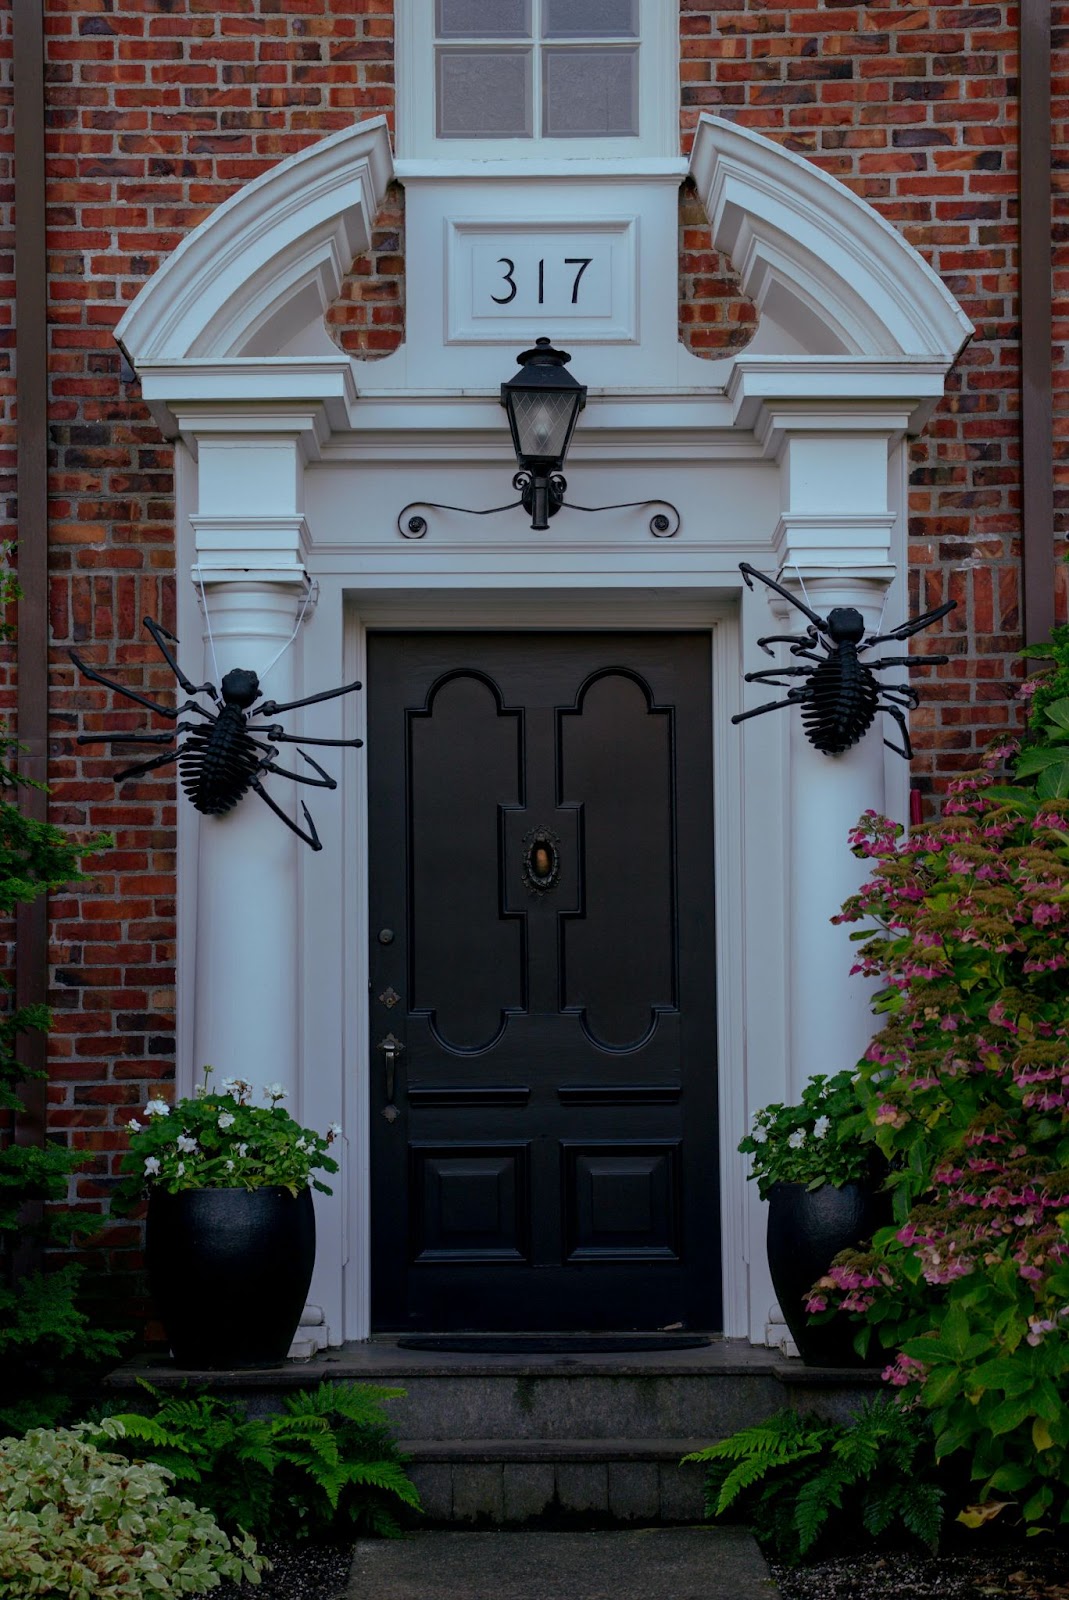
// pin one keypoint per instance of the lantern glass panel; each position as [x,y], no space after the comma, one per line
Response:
[543,419]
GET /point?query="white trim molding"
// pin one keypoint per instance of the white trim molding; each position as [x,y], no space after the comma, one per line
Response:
[817,259]
[265,262]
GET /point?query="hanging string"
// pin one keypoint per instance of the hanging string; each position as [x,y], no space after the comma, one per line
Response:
[886,593]
[199,577]
[309,599]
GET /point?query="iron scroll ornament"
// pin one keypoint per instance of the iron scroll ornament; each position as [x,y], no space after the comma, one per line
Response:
[663,524]
[223,756]
[841,693]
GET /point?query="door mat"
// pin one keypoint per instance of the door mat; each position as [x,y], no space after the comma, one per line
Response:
[551,1344]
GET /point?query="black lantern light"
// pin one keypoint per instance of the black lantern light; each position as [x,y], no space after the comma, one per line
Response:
[543,402]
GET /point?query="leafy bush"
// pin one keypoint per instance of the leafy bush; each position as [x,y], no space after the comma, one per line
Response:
[80,1524]
[327,1459]
[806,1143]
[968,1089]
[799,1480]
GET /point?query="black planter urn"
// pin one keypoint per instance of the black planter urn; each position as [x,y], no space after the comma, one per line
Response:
[806,1231]
[229,1271]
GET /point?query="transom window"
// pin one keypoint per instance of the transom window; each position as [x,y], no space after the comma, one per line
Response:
[523,69]
[522,80]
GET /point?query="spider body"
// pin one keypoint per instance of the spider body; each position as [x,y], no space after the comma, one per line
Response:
[844,693]
[841,694]
[225,754]
[219,760]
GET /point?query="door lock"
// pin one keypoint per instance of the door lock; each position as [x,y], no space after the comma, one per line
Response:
[391,1048]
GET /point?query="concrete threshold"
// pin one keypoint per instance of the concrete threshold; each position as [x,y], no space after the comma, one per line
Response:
[635,1564]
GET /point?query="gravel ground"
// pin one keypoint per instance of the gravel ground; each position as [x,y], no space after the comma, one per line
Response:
[307,1571]
[1018,1574]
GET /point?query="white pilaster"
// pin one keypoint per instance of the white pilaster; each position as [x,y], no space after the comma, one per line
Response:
[833,548]
[246,1013]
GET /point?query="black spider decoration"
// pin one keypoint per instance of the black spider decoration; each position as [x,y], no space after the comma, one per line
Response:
[841,695]
[222,758]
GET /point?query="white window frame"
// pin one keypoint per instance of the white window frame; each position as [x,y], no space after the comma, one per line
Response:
[658,99]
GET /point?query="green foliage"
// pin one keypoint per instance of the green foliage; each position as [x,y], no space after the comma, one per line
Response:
[217,1140]
[1047,760]
[326,1462]
[806,1143]
[800,1481]
[42,1329]
[77,1523]
[967,1088]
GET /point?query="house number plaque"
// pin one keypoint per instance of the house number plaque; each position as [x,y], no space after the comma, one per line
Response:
[508,279]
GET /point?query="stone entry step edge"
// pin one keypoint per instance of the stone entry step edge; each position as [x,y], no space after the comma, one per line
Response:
[464,1451]
[646,1564]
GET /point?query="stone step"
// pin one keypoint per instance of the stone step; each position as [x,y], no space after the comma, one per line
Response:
[684,1563]
[502,1440]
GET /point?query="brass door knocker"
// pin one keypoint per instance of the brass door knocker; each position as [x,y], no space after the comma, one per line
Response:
[541,861]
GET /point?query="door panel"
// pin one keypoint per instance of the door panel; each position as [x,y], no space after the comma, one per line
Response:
[542,905]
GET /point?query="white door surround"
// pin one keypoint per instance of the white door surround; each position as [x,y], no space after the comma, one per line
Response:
[294,463]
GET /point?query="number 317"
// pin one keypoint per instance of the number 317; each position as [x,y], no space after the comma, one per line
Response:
[582,262]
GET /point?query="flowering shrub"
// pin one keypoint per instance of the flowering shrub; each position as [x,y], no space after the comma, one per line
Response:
[803,1143]
[967,1088]
[220,1140]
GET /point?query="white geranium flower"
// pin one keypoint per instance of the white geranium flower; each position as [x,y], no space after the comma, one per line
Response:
[181,1169]
[157,1108]
[243,1149]
[133,1125]
[186,1144]
[797,1139]
[200,1091]
[230,1085]
[760,1135]
[274,1092]
[226,1120]
[333,1132]
[302,1143]
[152,1166]
[230,1166]
[820,1127]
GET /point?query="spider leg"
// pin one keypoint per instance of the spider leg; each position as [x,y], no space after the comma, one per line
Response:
[749,572]
[147,766]
[131,694]
[774,674]
[908,661]
[274,734]
[136,738]
[794,697]
[905,749]
[324,781]
[311,837]
[903,694]
[800,643]
[159,634]
[270,708]
[905,630]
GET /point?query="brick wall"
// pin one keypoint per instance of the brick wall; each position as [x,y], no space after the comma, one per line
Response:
[159,109]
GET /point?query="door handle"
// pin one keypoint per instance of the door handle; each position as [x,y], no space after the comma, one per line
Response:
[391,1048]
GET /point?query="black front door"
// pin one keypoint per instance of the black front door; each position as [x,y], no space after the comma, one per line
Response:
[544,1151]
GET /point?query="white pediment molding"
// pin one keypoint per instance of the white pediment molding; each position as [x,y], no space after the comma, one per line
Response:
[817,260]
[267,261]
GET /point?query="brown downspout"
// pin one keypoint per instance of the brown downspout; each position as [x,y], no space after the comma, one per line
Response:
[1037,410]
[31,395]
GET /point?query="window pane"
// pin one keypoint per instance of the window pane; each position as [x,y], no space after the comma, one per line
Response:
[572,19]
[484,19]
[484,93]
[589,92]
